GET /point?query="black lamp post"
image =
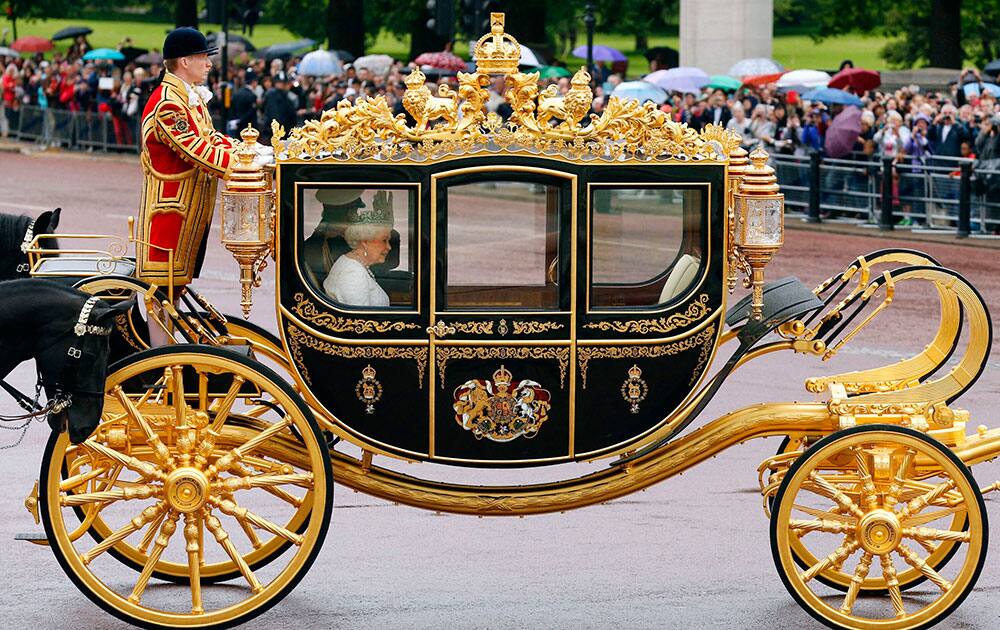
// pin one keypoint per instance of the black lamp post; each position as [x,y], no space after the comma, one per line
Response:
[589,21]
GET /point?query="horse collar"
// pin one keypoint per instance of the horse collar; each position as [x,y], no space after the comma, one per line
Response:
[29,235]
[82,328]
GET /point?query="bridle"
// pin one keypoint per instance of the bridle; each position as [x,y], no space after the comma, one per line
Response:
[29,236]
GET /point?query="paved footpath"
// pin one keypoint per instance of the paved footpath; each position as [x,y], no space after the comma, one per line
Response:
[690,553]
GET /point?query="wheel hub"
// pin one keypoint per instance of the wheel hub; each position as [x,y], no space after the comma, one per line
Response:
[879,532]
[187,489]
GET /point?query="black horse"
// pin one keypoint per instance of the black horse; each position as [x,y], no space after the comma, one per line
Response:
[66,332]
[16,233]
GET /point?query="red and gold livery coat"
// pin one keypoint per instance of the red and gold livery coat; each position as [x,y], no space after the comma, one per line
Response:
[183,157]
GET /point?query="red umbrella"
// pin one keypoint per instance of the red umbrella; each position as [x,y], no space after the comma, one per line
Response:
[443,60]
[857,80]
[762,79]
[31,44]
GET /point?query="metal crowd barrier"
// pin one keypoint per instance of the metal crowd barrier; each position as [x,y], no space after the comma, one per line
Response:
[941,193]
[94,131]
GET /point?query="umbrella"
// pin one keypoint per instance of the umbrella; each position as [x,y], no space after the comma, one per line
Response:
[992,68]
[8,52]
[755,66]
[858,80]
[344,55]
[528,57]
[832,96]
[377,64]
[724,82]
[762,79]
[665,55]
[71,32]
[233,49]
[320,63]
[148,59]
[103,54]
[553,72]
[640,91]
[600,53]
[443,60]
[803,79]
[975,89]
[683,79]
[132,53]
[285,50]
[843,133]
[31,44]
[215,39]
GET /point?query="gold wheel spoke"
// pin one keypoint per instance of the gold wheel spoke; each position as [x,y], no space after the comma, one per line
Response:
[109,496]
[826,515]
[147,516]
[278,492]
[147,538]
[931,533]
[835,559]
[860,574]
[868,494]
[919,503]
[175,376]
[821,525]
[193,548]
[166,531]
[147,470]
[70,483]
[892,585]
[231,508]
[928,546]
[930,517]
[921,565]
[226,405]
[231,484]
[225,462]
[835,494]
[222,537]
[159,448]
[247,528]
[899,480]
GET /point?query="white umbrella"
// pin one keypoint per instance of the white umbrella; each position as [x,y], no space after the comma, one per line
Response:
[377,64]
[803,79]
[755,66]
[528,57]
[681,79]
[641,91]
[320,63]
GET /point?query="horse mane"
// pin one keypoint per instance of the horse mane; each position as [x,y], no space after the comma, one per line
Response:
[12,229]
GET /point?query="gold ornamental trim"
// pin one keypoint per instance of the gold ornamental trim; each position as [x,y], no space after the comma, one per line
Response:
[306,309]
[543,122]
[519,327]
[696,310]
[297,339]
[444,354]
[534,328]
[473,328]
[704,340]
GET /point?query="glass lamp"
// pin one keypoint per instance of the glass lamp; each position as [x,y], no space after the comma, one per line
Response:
[247,216]
[738,163]
[760,223]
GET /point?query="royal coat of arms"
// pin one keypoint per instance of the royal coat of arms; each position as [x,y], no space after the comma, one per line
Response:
[501,409]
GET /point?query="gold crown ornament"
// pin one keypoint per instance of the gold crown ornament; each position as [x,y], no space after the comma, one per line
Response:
[415,79]
[379,214]
[502,377]
[497,52]
[634,372]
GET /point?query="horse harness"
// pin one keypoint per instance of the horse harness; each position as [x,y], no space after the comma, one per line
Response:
[29,236]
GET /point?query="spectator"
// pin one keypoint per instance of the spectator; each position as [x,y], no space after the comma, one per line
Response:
[717,113]
[278,105]
[893,136]
[244,107]
[762,127]
[740,124]
[948,133]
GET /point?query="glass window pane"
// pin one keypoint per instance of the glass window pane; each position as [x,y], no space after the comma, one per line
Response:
[503,244]
[646,245]
[359,248]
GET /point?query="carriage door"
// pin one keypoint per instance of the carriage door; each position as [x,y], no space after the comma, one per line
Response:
[502,314]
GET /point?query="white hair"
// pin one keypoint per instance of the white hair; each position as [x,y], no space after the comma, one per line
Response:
[355,234]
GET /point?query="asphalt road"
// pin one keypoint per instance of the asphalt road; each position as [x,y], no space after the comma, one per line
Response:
[692,552]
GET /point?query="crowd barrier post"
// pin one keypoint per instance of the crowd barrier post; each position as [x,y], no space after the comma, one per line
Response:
[814,188]
[965,201]
[885,216]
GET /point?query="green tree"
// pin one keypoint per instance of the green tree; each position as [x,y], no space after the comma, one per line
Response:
[31,10]
[639,17]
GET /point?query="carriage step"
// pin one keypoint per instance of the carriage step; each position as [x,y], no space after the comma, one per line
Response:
[36,538]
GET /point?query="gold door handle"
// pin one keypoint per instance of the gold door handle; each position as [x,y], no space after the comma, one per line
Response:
[440,329]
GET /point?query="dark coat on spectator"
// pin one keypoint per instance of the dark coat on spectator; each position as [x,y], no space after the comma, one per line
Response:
[244,108]
[951,144]
[708,116]
[277,106]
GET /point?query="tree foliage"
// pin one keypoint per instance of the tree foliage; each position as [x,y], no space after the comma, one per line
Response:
[28,10]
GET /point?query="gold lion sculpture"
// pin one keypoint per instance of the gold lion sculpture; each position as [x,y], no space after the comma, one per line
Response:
[424,106]
[570,108]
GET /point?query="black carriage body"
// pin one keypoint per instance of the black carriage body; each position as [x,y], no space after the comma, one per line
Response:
[573,368]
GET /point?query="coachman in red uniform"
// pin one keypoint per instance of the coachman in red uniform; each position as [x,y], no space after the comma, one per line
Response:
[183,157]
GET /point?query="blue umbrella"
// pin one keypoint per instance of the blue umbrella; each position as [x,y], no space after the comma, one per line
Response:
[973,89]
[832,96]
[104,54]
[320,63]
[601,53]
[640,90]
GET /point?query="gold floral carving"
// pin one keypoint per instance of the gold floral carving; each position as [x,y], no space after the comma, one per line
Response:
[443,354]
[305,309]
[122,324]
[695,311]
[298,339]
[543,122]
[703,340]
[473,328]
[533,328]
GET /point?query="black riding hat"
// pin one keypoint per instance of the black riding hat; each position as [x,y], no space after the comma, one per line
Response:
[185,41]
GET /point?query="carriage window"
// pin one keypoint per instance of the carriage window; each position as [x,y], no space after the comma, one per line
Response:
[646,245]
[503,243]
[358,246]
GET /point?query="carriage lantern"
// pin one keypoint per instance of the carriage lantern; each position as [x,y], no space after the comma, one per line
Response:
[760,223]
[247,216]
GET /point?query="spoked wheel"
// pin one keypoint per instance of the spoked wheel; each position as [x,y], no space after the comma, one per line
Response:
[834,576]
[878,503]
[206,467]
